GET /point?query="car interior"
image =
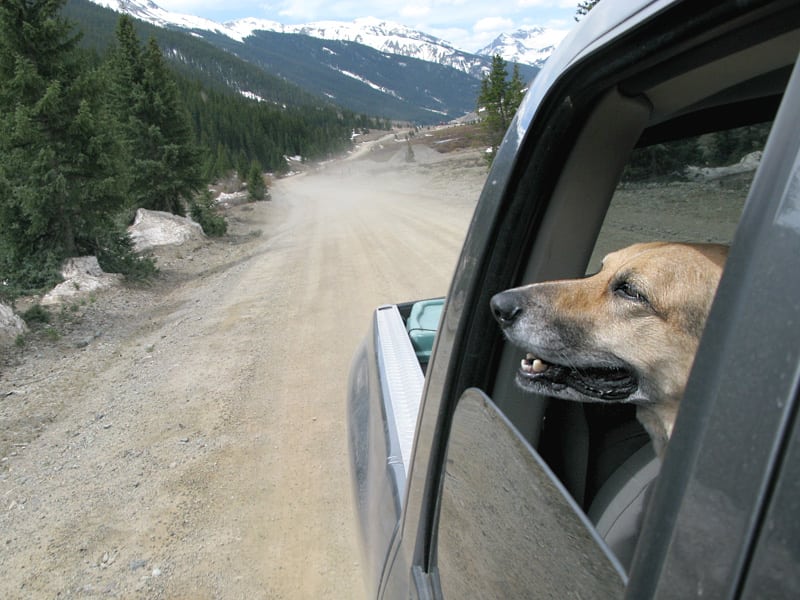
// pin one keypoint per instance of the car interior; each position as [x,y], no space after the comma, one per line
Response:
[724,81]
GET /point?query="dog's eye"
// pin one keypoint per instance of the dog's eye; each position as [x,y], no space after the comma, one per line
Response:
[626,290]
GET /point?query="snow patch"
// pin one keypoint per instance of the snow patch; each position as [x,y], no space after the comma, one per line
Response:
[367,82]
[233,199]
[152,13]
[251,96]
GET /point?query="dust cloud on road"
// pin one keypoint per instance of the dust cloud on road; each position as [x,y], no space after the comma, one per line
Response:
[188,440]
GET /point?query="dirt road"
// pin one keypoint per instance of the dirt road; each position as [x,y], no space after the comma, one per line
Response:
[188,440]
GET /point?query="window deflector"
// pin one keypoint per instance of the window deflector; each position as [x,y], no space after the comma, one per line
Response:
[507,528]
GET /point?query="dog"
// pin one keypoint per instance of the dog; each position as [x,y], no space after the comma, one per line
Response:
[628,333]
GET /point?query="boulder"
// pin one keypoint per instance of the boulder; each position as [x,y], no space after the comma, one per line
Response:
[748,164]
[11,326]
[82,276]
[156,228]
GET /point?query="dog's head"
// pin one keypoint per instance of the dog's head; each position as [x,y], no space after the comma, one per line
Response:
[625,334]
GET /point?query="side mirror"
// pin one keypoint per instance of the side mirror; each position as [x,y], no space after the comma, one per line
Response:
[507,527]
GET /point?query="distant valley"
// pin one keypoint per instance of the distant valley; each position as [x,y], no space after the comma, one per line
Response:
[367,66]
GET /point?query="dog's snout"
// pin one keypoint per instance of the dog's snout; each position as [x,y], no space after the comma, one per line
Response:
[505,307]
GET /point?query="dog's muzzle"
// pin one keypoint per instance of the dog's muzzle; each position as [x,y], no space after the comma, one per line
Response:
[555,364]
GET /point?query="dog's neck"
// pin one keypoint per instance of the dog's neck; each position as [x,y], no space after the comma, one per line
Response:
[658,420]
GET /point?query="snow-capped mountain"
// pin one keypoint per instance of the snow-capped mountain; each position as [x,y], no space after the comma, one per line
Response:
[383,36]
[367,66]
[527,45]
[152,13]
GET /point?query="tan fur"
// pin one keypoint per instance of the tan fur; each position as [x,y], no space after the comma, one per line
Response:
[644,311]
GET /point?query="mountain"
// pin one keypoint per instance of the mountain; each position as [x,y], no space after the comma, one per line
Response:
[238,111]
[348,74]
[191,56]
[367,66]
[527,45]
[148,11]
[358,77]
[383,36]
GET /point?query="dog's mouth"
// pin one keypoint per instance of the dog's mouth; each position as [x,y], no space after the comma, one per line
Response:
[604,384]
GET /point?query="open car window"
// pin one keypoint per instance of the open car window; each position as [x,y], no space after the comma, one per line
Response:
[688,190]
[665,155]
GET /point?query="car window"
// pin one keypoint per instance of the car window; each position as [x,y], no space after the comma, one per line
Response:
[687,190]
[690,190]
[657,154]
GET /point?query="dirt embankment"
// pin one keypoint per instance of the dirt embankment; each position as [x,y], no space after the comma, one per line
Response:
[187,439]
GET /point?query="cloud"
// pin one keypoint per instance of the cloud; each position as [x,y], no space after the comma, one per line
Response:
[196,7]
[460,38]
[415,11]
[492,24]
[299,9]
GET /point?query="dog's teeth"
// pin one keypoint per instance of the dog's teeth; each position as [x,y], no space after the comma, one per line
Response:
[531,364]
[538,366]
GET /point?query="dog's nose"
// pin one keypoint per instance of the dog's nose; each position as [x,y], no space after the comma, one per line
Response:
[505,308]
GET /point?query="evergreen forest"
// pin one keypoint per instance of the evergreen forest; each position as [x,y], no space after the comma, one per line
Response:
[94,126]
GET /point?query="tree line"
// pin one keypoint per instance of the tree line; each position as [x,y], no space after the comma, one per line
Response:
[86,139]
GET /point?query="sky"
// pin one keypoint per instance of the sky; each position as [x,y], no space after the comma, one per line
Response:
[467,24]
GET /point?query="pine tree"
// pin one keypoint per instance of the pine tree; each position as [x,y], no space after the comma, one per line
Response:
[124,66]
[256,188]
[516,89]
[498,100]
[59,162]
[166,166]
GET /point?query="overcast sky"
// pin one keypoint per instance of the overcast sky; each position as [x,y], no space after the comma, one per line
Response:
[468,24]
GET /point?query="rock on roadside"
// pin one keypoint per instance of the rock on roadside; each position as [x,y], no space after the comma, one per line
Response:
[82,276]
[153,228]
[11,326]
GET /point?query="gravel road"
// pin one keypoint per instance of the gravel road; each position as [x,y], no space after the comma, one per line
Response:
[187,439]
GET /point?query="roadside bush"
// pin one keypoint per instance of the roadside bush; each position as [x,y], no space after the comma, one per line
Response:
[25,275]
[36,314]
[202,211]
[115,254]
